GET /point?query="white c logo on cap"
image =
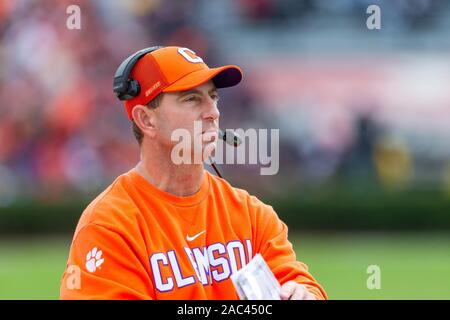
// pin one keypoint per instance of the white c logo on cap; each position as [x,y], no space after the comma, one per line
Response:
[189,58]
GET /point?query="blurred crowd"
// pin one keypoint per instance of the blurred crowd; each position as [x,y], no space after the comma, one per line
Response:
[407,14]
[59,130]
[62,131]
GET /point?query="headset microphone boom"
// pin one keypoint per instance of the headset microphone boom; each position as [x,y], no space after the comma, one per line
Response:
[230,137]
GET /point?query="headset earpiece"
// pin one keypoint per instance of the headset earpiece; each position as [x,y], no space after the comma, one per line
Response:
[124,87]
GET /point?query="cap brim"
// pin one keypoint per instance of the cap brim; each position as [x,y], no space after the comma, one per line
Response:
[223,77]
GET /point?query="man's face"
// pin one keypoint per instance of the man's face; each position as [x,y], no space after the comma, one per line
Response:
[181,110]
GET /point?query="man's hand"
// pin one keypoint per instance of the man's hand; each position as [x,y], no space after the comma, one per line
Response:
[292,290]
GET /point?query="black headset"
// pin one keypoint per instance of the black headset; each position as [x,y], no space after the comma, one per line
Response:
[124,87]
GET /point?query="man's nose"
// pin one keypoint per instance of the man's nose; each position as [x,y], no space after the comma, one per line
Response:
[211,111]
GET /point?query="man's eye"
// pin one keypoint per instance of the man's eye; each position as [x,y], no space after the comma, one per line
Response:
[191,98]
[215,97]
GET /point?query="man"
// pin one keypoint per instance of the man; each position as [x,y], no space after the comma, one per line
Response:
[166,230]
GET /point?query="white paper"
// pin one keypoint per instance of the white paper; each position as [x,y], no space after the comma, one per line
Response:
[256,281]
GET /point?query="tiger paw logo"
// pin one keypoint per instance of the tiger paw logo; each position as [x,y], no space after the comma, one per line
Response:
[94,260]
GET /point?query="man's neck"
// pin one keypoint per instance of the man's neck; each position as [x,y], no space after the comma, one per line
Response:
[179,180]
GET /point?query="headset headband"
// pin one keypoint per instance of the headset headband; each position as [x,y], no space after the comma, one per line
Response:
[124,87]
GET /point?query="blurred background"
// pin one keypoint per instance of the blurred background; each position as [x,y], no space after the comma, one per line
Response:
[363,115]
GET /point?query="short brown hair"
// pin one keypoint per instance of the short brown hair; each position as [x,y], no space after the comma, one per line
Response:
[151,105]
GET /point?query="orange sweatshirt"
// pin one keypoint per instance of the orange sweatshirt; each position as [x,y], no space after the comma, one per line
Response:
[135,241]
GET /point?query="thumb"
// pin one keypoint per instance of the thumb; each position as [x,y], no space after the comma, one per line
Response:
[287,290]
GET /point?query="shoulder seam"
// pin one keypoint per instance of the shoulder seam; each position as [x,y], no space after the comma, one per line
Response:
[90,224]
[97,201]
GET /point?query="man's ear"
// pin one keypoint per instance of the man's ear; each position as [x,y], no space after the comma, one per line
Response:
[145,119]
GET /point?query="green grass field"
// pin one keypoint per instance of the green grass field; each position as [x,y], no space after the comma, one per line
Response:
[413,266]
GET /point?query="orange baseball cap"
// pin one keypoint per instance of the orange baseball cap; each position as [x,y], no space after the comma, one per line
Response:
[171,69]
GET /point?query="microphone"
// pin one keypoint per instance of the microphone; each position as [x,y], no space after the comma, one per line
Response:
[230,137]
